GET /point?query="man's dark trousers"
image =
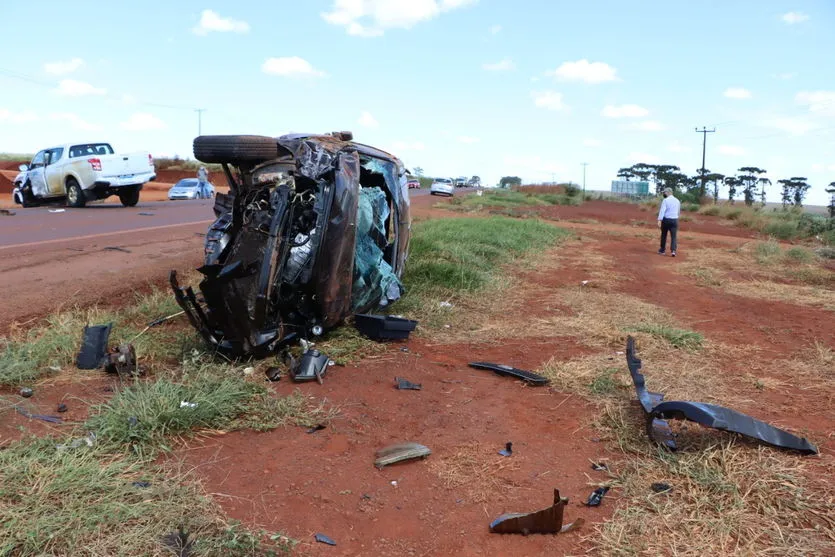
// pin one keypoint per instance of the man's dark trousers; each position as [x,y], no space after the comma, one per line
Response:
[671,226]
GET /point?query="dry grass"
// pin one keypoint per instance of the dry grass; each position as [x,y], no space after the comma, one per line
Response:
[477,471]
[789,293]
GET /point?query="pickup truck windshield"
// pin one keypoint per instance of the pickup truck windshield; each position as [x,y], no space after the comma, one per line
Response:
[90,149]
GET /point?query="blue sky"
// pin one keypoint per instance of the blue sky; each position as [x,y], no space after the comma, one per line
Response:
[458,87]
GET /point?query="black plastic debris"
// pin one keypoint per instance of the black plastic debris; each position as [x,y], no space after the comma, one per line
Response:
[546,521]
[117,248]
[7,212]
[311,366]
[384,327]
[599,467]
[273,374]
[133,421]
[661,487]
[62,408]
[400,452]
[146,214]
[142,485]
[317,427]
[93,346]
[596,496]
[50,419]
[322,538]
[711,415]
[178,542]
[508,449]
[121,360]
[406,385]
[504,370]
[26,392]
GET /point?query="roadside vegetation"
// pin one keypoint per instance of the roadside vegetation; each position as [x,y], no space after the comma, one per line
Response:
[510,200]
[782,224]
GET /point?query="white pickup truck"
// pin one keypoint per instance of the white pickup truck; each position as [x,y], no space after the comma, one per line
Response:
[83,172]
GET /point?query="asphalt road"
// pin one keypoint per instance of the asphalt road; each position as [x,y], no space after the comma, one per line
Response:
[44,225]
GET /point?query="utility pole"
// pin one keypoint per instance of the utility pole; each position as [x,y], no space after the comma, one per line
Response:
[704,131]
[585,164]
[200,112]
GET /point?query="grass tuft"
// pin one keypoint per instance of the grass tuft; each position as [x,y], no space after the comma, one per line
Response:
[678,338]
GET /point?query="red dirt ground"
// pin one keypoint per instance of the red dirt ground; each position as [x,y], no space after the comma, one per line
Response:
[300,484]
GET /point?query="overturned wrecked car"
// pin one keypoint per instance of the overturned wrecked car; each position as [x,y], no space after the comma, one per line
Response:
[315,228]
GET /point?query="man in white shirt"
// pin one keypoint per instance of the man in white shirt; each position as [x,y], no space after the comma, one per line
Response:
[668,221]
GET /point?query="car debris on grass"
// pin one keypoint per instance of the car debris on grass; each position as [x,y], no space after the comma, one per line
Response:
[527,376]
[400,452]
[546,521]
[711,415]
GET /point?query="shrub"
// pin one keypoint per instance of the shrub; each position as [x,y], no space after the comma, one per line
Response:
[782,229]
[800,255]
[711,210]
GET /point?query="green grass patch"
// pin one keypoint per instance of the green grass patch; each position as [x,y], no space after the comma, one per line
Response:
[511,200]
[799,255]
[767,252]
[678,338]
[606,383]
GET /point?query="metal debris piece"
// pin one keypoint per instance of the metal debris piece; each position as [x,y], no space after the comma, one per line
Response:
[7,212]
[508,449]
[501,369]
[406,385]
[121,360]
[317,427]
[384,327]
[26,392]
[62,408]
[546,521]
[146,214]
[117,248]
[179,542]
[599,467]
[321,538]
[93,346]
[711,415]
[57,210]
[596,496]
[312,365]
[141,484]
[89,440]
[400,452]
[50,419]
[661,487]
[187,404]
[273,373]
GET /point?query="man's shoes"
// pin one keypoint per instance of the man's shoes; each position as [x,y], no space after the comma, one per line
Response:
[661,252]
[673,254]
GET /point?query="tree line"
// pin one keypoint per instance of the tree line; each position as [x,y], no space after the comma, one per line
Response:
[750,181]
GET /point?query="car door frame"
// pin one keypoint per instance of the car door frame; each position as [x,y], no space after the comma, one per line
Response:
[36,175]
[53,176]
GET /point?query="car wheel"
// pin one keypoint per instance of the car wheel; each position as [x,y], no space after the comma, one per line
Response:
[75,195]
[235,148]
[130,197]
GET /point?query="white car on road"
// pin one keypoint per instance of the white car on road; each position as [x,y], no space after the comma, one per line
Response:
[83,172]
[189,188]
[442,186]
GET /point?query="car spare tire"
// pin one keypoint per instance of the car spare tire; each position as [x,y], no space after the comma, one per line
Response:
[235,148]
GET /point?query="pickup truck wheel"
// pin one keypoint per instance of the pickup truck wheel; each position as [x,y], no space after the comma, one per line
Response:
[75,196]
[27,200]
[130,197]
[235,149]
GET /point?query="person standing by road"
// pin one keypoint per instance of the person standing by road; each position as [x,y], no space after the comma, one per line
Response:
[203,182]
[668,221]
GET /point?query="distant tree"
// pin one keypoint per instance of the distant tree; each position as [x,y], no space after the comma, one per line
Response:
[662,175]
[763,182]
[749,178]
[626,173]
[510,181]
[643,171]
[799,187]
[785,192]
[733,183]
[418,171]
[475,181]
[702,179]
[714,178]
[831,190]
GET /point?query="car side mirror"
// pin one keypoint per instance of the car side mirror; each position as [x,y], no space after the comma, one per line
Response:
[23,167]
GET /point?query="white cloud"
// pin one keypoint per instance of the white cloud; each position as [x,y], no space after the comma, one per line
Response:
[648,126]
[468,139]
[75,120]
[819,102]
[549,100]
[63,68]
[792,125]
[403,146]
[794,17]
[371,18]
[624,111]
[128,99]
[502,65]
[18,117]
[210,21]
[73,88]
[737,93]
[636,157]
[583,70]
[589,142]
[290,66]
[676,147]
[367,120]
[143,121]
[732,150]
[495,29]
